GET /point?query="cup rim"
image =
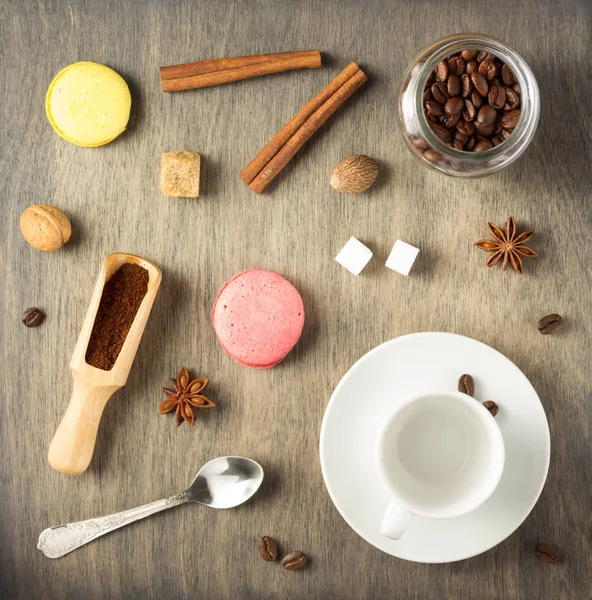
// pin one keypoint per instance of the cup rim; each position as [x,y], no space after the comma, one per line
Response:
[486,419]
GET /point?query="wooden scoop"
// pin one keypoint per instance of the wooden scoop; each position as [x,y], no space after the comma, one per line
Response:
[73,444]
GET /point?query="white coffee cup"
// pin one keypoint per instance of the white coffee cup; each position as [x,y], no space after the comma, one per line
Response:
[440,455]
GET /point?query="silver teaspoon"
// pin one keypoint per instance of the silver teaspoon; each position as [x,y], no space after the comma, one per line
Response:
[224,482]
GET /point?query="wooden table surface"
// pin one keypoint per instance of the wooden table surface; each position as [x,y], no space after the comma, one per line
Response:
[297,227]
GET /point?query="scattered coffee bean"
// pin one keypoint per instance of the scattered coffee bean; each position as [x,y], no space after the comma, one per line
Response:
[32,317]
[547,553]
[268,548]
[550,324]
[466,385]
[491,406]
[472,67]
[294,560]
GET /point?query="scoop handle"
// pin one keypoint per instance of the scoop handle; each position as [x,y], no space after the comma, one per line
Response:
[74,441]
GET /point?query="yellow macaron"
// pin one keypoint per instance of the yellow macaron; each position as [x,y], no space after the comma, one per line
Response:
[88,104]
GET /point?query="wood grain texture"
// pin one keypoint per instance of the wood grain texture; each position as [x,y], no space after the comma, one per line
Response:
[297,227]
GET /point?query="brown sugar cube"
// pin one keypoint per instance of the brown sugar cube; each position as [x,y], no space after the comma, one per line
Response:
[179,173]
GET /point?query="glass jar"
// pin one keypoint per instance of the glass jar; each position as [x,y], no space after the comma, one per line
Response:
[436,154]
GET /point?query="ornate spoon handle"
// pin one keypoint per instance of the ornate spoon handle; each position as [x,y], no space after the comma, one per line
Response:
[55,542]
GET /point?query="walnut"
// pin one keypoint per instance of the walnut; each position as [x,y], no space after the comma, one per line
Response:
[45,227]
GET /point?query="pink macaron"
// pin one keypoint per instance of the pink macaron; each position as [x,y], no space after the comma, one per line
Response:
[258,317]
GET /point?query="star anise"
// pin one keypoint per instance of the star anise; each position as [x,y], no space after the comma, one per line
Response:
[507,245]
[184,397]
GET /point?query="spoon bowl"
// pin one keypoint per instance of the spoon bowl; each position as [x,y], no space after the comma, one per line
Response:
[226,482]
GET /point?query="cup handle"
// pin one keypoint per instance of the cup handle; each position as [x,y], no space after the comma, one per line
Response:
[395,522]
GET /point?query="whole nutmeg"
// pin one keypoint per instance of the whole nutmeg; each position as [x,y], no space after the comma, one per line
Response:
[354,174]
[45,227]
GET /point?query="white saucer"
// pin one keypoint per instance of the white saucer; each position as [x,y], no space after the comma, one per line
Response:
[414,364]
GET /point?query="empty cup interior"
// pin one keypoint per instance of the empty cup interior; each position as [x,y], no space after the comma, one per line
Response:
[441,456]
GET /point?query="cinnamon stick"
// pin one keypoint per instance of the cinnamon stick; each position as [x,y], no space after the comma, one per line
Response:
[287,148]
[291,127]
[221,64]
[224,70]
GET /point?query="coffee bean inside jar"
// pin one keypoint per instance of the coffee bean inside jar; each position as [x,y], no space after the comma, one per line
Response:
[472,101]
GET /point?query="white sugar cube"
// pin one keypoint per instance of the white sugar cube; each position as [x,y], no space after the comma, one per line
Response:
[402,257]
[354,256]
